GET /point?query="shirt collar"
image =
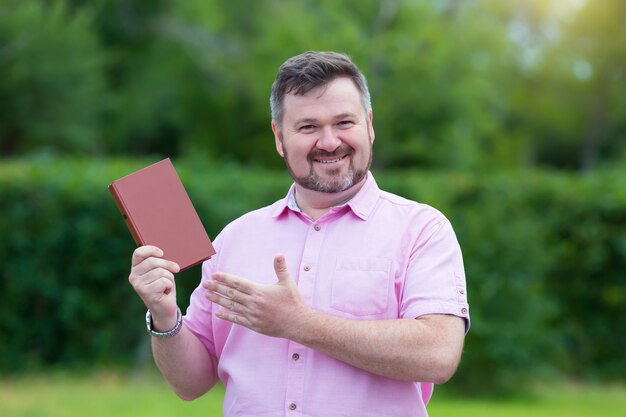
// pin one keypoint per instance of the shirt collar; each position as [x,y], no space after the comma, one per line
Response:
[361,204]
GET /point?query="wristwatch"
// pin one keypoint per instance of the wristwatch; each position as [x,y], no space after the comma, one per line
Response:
[170,333]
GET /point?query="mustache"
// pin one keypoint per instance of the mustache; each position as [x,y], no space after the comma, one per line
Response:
[320,153]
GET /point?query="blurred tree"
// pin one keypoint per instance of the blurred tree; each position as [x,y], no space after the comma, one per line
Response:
[51,87]
[597,61]
[432,97]
[430,73]
[456,84]
[567,97]
[145,76]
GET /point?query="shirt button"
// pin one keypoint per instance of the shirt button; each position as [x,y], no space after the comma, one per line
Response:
[292,406]
[295,356]
[461,292]
[464,310]
[307,268]
[317,227]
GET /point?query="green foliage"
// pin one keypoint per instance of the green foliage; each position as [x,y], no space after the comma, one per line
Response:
[589,246]
[455,84]
[51,78]
[63,253]
[544,256]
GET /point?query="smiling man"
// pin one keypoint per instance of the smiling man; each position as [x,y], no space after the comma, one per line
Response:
[338,300]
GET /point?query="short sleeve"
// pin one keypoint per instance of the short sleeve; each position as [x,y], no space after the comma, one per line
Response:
[199,315]
[435,278]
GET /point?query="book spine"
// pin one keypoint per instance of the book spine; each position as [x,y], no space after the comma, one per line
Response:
[129,221]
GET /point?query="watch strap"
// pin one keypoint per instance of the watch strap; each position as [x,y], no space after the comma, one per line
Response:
[173,332]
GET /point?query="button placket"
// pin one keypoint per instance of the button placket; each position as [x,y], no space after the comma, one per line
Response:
[296,358]
[310,256]
[295,378]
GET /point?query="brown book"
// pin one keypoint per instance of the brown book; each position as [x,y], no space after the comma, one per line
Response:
[158,212]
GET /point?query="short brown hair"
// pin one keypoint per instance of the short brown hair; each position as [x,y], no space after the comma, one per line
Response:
[302,73]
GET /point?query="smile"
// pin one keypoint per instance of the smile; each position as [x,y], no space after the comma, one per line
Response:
[329,161]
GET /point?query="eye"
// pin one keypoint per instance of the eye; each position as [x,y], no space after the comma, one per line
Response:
[345,123]
[307,128]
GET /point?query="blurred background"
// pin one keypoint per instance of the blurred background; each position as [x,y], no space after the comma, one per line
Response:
[509,116]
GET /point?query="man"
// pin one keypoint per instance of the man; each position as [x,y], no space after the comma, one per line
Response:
[366,292]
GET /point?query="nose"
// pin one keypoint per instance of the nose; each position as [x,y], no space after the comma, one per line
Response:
[328,140]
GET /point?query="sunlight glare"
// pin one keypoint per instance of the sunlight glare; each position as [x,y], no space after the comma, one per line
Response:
[565,9]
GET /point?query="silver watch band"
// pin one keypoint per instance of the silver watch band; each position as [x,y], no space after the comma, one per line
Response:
[170,333]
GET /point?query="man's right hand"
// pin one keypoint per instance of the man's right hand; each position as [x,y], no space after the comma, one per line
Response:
[152,278]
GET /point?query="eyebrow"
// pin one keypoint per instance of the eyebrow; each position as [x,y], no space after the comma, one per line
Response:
[310,120]
[305,120]
[345,115]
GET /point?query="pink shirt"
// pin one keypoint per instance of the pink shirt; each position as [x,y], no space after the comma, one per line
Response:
[379,256]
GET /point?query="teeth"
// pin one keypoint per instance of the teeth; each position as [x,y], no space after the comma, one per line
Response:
[331,161]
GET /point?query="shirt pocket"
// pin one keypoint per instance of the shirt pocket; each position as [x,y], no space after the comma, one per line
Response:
[361,286]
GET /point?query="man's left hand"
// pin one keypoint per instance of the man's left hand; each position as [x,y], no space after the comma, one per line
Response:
[266,309]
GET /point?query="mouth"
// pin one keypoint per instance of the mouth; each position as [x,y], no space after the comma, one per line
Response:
[330,161]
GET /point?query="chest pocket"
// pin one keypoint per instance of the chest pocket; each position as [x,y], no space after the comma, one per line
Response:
[361,286]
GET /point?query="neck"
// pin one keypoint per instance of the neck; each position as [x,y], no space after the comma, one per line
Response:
[315,203]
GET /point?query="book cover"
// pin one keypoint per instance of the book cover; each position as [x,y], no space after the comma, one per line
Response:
[159,212]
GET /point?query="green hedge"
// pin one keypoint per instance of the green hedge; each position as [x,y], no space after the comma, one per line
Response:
[65,256]
[545,256]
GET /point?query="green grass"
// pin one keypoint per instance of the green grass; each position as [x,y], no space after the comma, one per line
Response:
[145,394]
[559,401]
[100,395]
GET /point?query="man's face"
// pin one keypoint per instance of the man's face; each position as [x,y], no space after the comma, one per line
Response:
[326,137]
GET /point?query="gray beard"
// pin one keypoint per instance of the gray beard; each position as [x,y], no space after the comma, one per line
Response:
[313,182]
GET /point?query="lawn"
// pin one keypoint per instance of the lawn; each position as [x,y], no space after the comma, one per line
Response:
[561,401]
[145,394]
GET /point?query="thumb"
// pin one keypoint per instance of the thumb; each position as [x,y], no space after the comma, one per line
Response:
[280,267]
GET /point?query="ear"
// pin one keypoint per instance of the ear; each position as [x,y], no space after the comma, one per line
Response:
[278,139]
[370,126]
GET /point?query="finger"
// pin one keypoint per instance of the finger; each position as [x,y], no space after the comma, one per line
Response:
[155,291]
[151,263]
[227,303]
[233,318]
[223,290]
[240,284]
[160,286]
[280,267]
[155,294]
[155,275]
[144,252]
